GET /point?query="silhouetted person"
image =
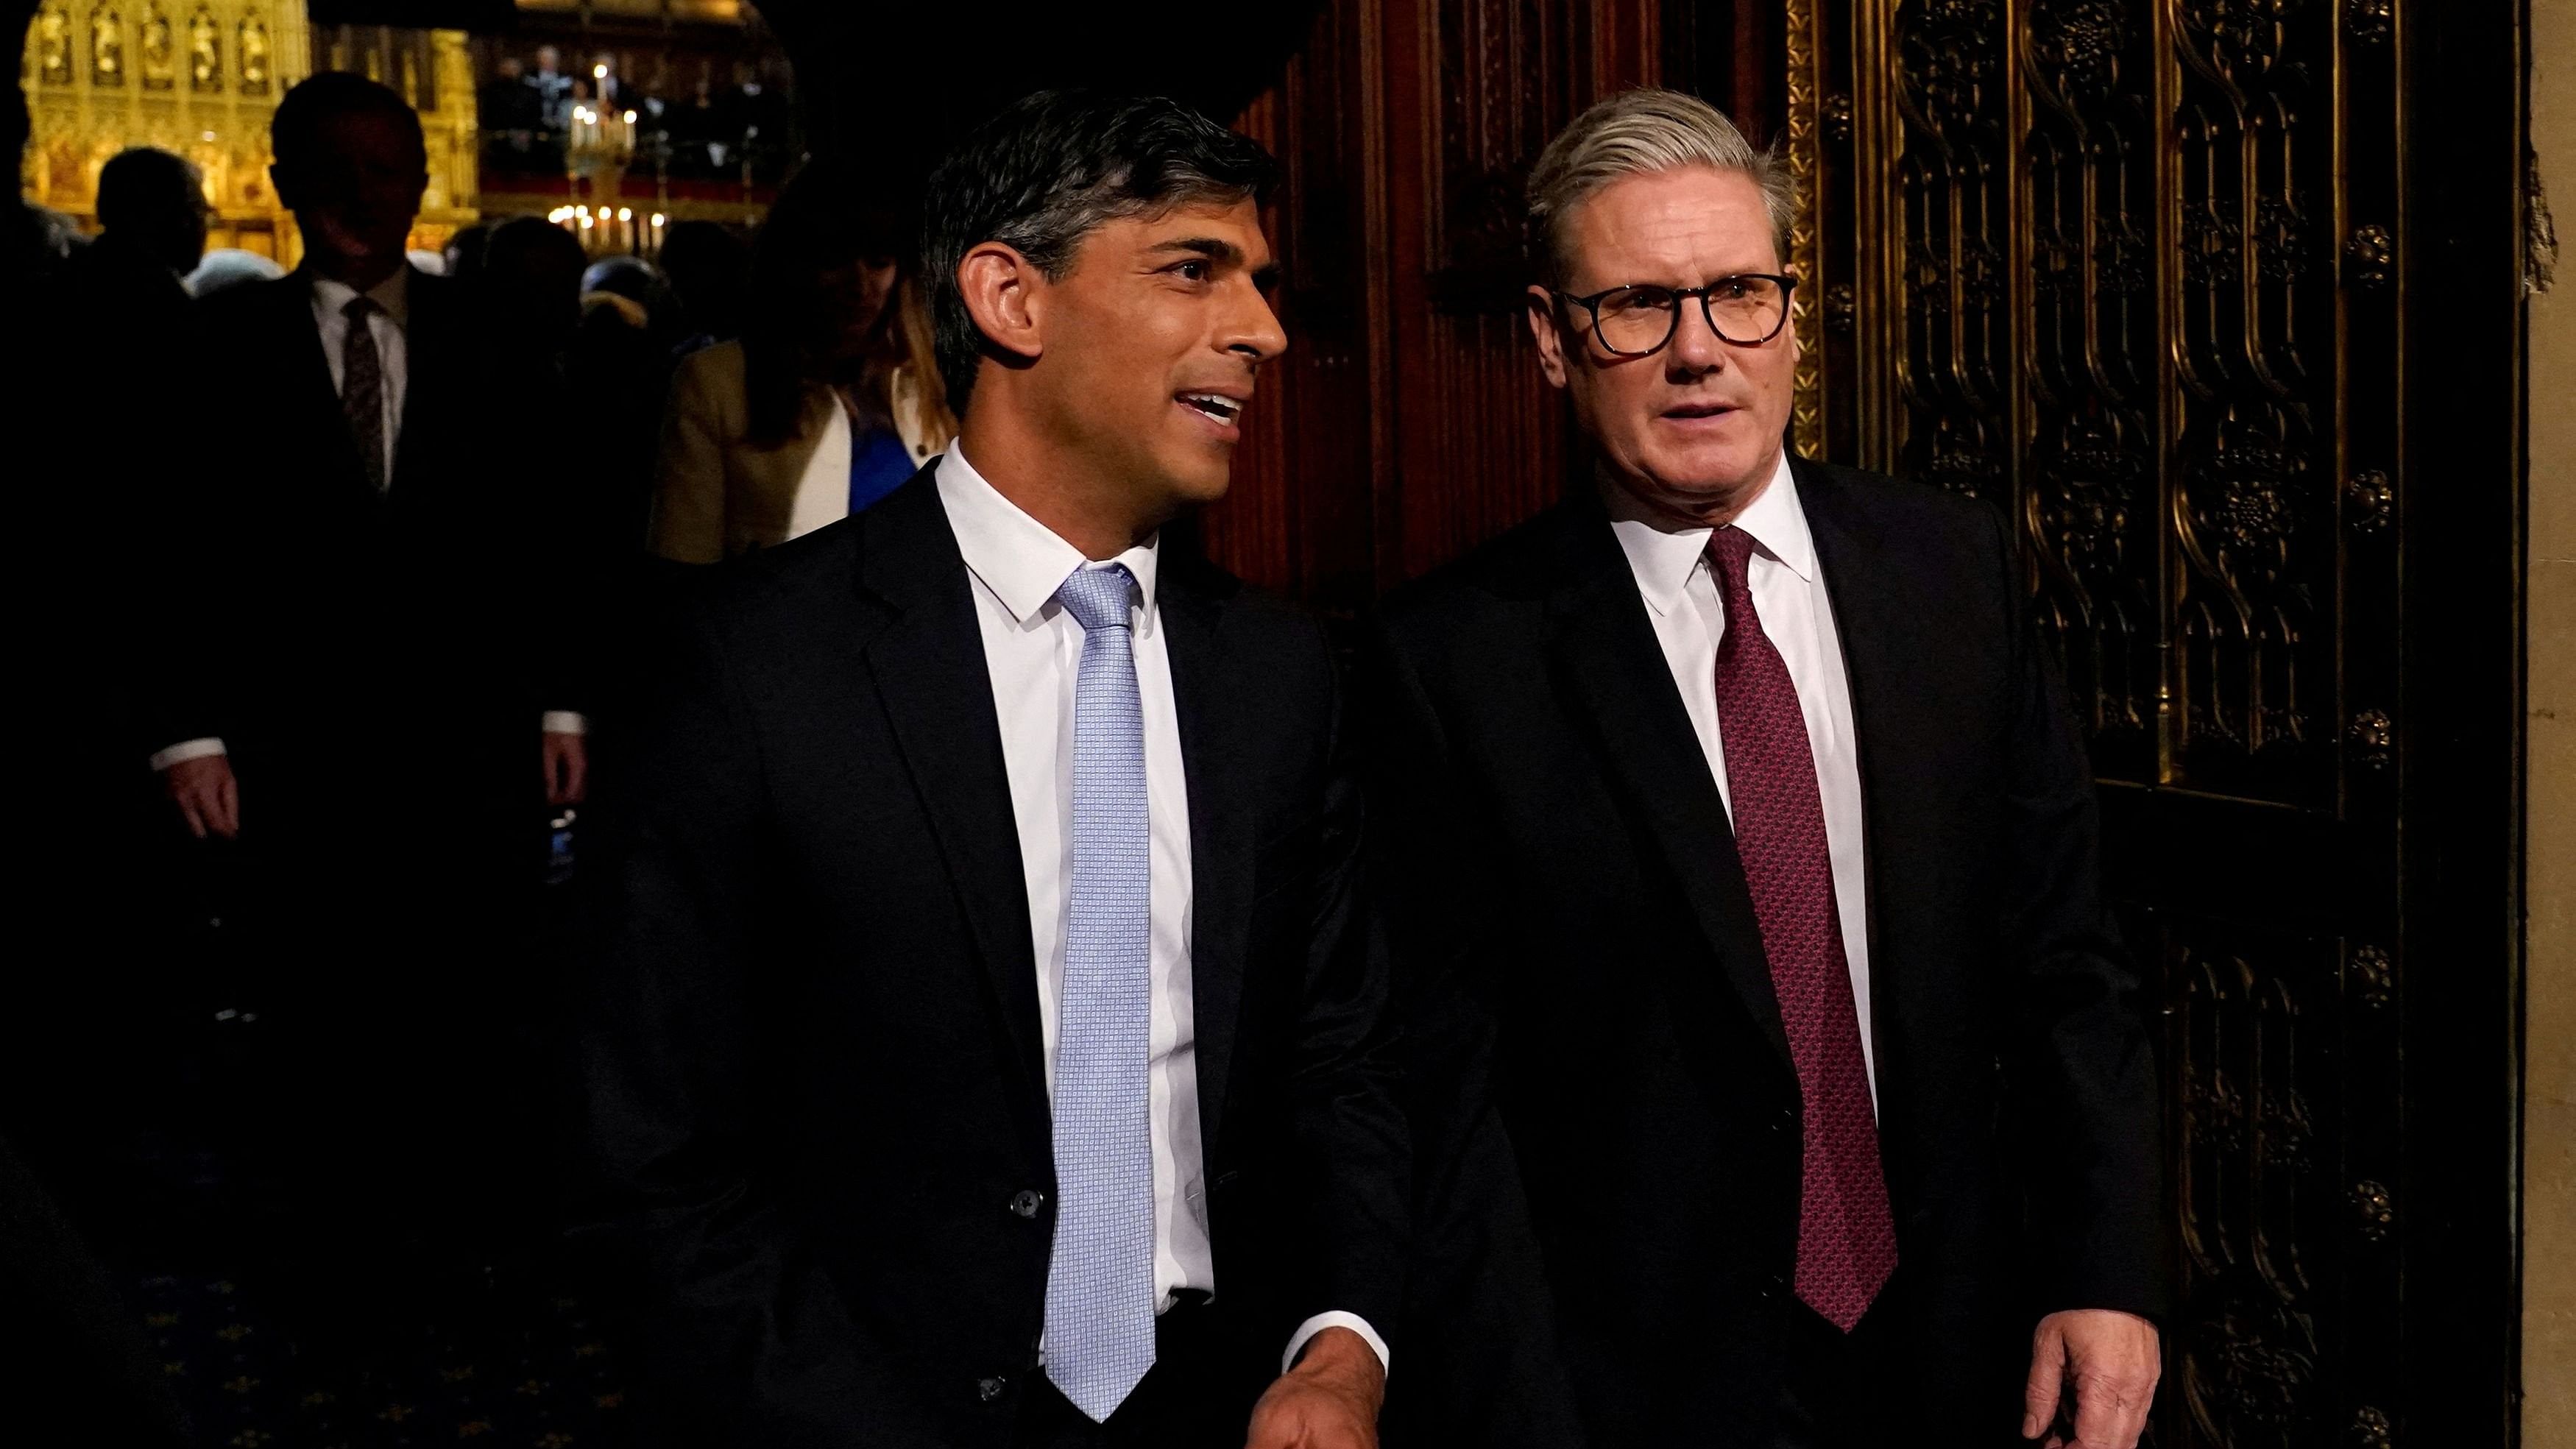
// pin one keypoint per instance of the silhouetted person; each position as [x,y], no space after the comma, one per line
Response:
[527,289]
[152,219]
[352,665]
[115,364]
[510,113]
[553,88]
[709,269]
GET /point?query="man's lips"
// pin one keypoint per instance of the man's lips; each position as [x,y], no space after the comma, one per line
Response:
[1221,408]
[1699,413]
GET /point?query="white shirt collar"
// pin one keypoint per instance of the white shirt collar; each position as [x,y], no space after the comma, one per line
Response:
[1664,557]
[1020,559]
[393,294]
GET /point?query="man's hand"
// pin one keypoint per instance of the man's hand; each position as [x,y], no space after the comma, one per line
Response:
[2108,1361]
[208,800]
[567,767]
[1328,1401]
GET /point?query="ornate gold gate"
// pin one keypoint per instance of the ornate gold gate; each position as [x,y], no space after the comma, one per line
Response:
[2206,295]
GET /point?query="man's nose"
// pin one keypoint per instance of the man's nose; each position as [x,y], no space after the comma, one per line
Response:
[1696,348]
[1256,333]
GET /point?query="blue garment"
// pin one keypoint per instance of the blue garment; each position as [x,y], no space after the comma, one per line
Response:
[879,464]
[1100,1278]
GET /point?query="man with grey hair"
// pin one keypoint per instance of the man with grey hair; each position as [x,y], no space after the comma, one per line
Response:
[1775,1073]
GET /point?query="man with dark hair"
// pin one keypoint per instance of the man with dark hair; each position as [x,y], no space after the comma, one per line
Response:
[986,1049]
[347,675]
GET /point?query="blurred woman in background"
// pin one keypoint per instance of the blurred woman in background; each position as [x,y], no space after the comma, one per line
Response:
[828,402]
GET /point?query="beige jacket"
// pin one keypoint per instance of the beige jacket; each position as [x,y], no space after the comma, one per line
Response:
[716,493]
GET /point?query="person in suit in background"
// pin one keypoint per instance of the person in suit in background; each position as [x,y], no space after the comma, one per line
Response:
[828,402]
[1778,1076]
[78,1072]
[347,673]
[985,1049]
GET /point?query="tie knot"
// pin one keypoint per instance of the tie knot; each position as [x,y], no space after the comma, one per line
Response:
[1730,549]
[359,308]
[1097,598]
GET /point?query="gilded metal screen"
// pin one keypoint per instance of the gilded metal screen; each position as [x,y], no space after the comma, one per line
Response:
[2135,273]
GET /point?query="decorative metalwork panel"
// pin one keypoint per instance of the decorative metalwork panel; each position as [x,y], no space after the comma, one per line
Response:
[2131,270]
[1953,180]
[2097,413]
[2254,503]
[2255,1178]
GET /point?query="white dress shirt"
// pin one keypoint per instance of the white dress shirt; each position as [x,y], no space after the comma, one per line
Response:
[1788,587]
[392,297]
[1033,651]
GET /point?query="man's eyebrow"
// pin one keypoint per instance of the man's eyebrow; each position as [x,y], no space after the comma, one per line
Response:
[1220,251]
[1215,249]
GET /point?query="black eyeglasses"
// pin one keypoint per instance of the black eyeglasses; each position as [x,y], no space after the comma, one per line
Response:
[1747,310]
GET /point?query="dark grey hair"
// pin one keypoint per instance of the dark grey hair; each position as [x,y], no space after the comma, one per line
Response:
[1040,176]
[1636,133]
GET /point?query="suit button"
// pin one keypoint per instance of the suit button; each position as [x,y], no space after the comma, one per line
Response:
[1026,1202]
[990,1389]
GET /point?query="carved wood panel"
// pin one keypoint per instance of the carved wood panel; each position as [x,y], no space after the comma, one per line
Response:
[1408,421]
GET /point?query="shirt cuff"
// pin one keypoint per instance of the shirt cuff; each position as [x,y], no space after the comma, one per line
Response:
[565,722]
[196,749]
[1335,1319]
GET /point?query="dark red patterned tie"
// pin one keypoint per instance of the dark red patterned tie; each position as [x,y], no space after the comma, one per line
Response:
[1846,1236]
[362,389]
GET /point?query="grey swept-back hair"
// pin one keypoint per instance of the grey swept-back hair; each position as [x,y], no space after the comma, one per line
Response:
[1637,133]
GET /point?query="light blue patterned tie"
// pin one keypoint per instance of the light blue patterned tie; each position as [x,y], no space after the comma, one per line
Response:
[1100,1283]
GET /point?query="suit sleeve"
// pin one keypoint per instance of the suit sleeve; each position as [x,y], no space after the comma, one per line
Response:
[1482,1365]
[2079,1065]
[1346,1127]
[740,1333]
[689,470]
[199,550]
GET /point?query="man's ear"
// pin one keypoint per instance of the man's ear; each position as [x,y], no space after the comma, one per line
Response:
[1005,296]
[283,188]
[1543,328]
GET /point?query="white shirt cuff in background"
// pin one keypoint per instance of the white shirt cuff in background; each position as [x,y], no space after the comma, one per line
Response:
[565,722]
[196,749]
[1335,1319]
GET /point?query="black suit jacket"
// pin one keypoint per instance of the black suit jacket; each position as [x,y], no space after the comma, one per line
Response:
[812,1074]
[1607,1116]
[298,607]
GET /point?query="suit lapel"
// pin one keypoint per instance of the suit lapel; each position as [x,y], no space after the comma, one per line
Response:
[427,336]
[1192,612]
[1604,650]
[291,299]
[927,663]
